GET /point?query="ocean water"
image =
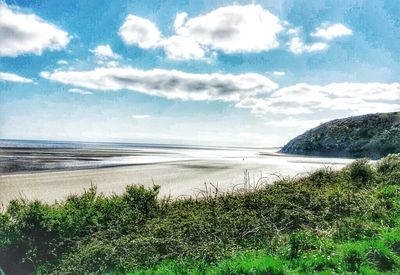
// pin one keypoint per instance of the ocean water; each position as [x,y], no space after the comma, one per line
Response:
[36,155]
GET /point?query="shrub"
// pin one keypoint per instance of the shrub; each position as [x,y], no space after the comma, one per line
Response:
[389,164]
[389,168]
[301,242]
[381,257]
[353,259]
[324,176]
[354,229]
[361,172]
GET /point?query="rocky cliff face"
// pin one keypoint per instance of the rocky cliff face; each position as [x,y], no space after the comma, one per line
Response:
[372,136]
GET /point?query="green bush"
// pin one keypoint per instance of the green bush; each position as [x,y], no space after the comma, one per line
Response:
[361,172]
[355,229]
[389,168]
[389,164]
[382,257]
[301,242]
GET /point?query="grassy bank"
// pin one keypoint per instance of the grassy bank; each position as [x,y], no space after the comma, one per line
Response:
[330,221]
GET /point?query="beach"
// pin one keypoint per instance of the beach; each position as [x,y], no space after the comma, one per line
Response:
[181,171]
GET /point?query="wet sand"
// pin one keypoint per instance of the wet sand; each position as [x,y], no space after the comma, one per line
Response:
[176,178]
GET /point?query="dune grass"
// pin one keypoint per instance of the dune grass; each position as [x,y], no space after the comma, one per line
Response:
[328,222]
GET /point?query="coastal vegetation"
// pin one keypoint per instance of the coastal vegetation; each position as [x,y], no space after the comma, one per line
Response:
[373,136]
[330,221]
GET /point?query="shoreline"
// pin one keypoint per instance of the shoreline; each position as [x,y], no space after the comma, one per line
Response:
[70,169]
[176,178]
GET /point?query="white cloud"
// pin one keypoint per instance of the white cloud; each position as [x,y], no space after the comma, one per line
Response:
[170,84]
[233,29]
[79,91]
[104,52]
[230,29]
[181,48]
[9,77]
[278,73]
[291,122]
[329,32]
[108,63]
[62,62]
[267,106]
[180,20]
[22,33]
[141,117]
[297,46]
[140,31]
[365,91]
[316,47]
[306,99]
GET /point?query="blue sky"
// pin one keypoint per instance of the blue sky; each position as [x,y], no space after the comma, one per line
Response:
[200,72]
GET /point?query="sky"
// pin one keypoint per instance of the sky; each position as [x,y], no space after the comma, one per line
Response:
[254,73]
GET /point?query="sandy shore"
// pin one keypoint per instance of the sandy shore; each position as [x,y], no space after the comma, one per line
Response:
[177,178]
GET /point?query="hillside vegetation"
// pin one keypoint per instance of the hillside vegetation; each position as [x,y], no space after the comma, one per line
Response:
[328,222]
[373,136]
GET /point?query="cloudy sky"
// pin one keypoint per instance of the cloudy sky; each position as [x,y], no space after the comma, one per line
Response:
[193,72]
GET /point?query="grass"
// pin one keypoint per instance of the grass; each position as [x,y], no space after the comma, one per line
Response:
[375,256]
[328,222]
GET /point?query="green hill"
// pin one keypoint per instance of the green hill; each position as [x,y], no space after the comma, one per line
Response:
[372,136]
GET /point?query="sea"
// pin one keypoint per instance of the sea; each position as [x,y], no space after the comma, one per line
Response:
[36,155]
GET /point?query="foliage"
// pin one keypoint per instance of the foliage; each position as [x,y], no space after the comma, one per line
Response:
[373,136]
[328,222]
